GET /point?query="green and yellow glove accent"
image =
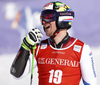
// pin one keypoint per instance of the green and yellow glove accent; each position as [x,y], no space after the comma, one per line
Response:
[32,38]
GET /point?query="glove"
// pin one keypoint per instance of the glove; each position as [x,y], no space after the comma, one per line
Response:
[32,38]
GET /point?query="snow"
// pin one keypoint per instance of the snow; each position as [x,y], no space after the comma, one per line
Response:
[7,79]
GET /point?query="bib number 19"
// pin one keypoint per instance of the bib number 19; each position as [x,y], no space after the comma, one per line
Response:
[55,76]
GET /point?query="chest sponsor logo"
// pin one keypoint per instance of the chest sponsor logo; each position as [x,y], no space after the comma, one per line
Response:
[43,46]
[54,61]
[58,52]
[77,48]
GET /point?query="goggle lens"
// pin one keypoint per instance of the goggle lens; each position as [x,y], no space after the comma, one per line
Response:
[48,15]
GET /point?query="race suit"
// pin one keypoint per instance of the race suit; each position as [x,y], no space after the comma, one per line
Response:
[64,64]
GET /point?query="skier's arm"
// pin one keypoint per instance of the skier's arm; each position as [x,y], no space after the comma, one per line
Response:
[20,62]
[88,67]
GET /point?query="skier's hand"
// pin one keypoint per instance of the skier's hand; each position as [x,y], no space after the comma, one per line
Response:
[32,38]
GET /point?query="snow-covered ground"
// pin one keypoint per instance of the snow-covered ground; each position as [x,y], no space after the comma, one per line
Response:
[7,79]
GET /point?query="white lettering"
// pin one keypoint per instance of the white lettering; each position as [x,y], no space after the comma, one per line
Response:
[54,61]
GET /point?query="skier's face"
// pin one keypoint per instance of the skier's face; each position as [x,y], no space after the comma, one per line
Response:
[49,27]
[48,20]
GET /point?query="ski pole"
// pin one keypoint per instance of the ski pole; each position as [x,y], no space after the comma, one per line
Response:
[32,64]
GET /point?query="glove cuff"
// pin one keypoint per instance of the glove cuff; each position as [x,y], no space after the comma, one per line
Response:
[26,45]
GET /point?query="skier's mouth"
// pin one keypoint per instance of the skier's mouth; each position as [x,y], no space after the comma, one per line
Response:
[46,27]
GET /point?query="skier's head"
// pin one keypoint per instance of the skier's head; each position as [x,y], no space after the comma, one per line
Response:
[59,12]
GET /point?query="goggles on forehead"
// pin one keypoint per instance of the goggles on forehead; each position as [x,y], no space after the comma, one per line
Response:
[50,15]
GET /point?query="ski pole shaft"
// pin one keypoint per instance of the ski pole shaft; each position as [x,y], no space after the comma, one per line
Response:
[32,64]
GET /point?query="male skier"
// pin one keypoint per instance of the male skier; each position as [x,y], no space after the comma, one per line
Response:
[61,59]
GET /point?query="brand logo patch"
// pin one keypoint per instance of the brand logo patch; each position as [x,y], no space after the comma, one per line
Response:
[43,46]
[77,48]
[90,53]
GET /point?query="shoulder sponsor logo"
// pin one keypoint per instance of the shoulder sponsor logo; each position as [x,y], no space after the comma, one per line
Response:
[90,53]
[77,48]
[93,66]
[43,46]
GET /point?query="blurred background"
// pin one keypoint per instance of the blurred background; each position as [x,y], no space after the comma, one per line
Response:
[17,17]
